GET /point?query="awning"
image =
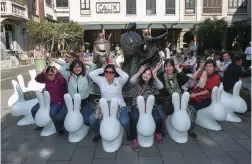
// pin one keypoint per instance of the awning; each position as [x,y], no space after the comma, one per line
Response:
[2,19]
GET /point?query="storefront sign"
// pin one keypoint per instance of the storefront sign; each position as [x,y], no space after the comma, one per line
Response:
[107,7]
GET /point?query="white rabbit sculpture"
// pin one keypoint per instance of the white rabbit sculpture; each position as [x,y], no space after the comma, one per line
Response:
[146,125]
[233,103]
[74,122]
[208,117]
[42,117]
[21,83]
[22,107]
[33,85]
[179,122]
[111,130]
[14,97]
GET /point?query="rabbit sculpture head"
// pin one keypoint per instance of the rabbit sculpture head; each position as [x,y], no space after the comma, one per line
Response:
[74,120]
[17,108]
[21,83]
[238,104]
[110,126]
[180,119]
[14,97]
[146,125]
[42,117]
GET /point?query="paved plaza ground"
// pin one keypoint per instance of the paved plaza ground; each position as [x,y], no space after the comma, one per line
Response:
[24,145]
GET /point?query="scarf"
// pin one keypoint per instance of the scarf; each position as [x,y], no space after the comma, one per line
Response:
[203,79]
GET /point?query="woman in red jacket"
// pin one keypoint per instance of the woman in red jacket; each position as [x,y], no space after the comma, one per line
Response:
[55,84]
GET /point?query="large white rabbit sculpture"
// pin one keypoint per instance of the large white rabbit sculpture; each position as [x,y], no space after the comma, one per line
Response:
[74,122]
[233,103]
[33,85]
[42,117]
[110,129]
[146,125]
[22,107]
[208,117]
[14,97]
[21,83]
[179,122]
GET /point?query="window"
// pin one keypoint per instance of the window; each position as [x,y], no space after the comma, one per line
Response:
[150,6]
[63,19]
[85,7]
[169,6]
[239,6]
[49,3]
[212,6]
[8,37]
[130,6]
[189,6]
[61,3]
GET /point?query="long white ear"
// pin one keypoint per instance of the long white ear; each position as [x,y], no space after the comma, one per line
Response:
[150,103]
[104,107]
[184,100]
[68,102]
[214,94]
[141,104]
[30,73]
[40,99]
[47,99]
[77,102]
[236,89]
[114,104]
[21,81]
[176,101]
[220,89]
[34,73]
[20,92]
[14,83]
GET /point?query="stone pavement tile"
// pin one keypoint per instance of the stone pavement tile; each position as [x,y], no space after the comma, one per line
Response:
[232,131]
[105,161]
[196,158]
[22,152]
[150,160]
[214,134]
[7,132]
[27,127]
[245,119]
[202,134]
[8,120]
[4,153]
[83,155]
[57,162]
[245,143]
[244,126]
[190,147]
[14,141]
[34,134]
[43,151]
[242,157]
[63,151]
[149,151]
[218,160]
[170,155]
[228,144]
[125,141]
[88,140]
[126,155]
[100,153]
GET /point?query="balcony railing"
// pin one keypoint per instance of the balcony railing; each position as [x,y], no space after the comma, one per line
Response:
[12,9]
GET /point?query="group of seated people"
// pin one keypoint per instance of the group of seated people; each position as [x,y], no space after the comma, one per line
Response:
[74,78]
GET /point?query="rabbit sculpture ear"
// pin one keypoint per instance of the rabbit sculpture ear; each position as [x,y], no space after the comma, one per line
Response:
[176,101]
[40,99]
[21,81]
[150,103]
[68,102]
[214,94]
[20,92]
[77,102]
[30,73]
[104,107]
[34,73]
[220,89]
[236,89]
[141,104]
[185,100]
[114,107]
[14,83]
[47,99]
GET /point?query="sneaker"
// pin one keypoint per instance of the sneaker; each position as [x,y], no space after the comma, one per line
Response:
[60,132]
[193,135]
[38,128]
[135,145]
[96,139]
[159,138]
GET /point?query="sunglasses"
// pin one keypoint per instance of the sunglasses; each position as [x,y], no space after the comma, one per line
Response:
[109,72]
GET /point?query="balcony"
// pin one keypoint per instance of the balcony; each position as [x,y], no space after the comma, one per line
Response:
[13,11]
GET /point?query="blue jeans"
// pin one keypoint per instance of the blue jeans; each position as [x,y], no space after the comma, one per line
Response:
[124,120]
[54,110]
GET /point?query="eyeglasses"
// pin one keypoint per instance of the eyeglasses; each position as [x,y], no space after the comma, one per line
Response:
[109,72]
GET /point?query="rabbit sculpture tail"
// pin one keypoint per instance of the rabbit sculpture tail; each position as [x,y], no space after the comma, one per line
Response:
[233,103]
[208,117]
[179,122]
[110,129]
[42,117]
[74,122]
[21,83]
[14,96]
[146,125]
[33,85]
[22,107]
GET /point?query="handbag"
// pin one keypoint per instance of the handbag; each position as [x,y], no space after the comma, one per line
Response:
[198,98]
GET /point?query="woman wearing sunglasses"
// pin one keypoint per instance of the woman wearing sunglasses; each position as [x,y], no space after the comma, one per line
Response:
[111,87]
[55,84]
